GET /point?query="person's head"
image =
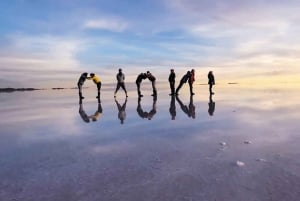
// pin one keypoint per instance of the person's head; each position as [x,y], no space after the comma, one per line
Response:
[120,70]
[192,71]
[172,70]
[148,72]
[122,121]
[94,118]
[92,74]
[85,74]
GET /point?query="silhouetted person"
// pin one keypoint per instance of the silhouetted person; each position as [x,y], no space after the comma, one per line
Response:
[172,108]
[120,78]
[140,77]
[97,81]
[211,106]
[140,111]
[183,80]
[192,108]
[172,77]
[122,110]
[80,83]
[211,81]
[191,80]
[152,79]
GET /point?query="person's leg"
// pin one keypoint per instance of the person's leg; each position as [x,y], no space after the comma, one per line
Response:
[98,87]
[172,85]
[154,88]
[80,91]
[117,88]
[124,88]
[138,85]
[179,86]
[191,88]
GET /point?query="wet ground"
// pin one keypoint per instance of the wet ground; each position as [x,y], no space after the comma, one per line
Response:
[240,144]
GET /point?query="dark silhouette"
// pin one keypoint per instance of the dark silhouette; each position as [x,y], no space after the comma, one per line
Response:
[140,77]
[211,81]
[172,77]
[152,79]
[143,114]
[120,78]
[211,106]
[97,81]
[80,83]
[191,81]
[122,111]
[94,117]
[188,110]
[183,80]
[172,108]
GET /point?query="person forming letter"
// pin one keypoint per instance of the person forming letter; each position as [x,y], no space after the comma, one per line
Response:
[97,81]
[172,82]
[183,80]
[80,84]
[120,78]
[211,81]
[191,81]
[138,82]
[152,79]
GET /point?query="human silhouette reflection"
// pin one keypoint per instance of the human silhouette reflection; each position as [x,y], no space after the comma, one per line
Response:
[189,110]
[86,118]
[211,106]
[172,108]
[148,115]
[122,110]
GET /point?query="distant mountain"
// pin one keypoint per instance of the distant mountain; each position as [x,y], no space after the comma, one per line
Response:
[17,89]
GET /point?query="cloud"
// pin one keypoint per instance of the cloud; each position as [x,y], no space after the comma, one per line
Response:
[109,24]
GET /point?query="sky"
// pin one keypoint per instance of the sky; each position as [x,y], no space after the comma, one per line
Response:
[49,43]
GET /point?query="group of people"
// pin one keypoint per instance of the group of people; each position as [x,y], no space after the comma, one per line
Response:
[188,77]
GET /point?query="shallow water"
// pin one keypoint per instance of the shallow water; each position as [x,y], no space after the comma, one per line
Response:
[49,152]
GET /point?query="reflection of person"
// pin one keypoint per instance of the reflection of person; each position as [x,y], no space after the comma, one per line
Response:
[192,108]
[80,83]
[172,108]
[97,114]
[94,117]
[191,81]
[140,77]
[82,113]
[97,81]
[172,81]
[122,110]
[143,114]
[211,106]
[152,79]
[211,81]
[183,80]
[188,110]
[120,78]
[140,111]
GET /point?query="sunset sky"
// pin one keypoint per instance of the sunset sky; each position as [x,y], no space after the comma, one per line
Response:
[50,42]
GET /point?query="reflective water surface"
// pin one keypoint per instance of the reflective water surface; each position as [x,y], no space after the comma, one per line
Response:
[54,147]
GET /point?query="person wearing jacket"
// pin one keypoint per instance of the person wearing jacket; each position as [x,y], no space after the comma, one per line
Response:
[80,83]
[152,79]
[211,81]
[191,81]
[97,81]
[172,82]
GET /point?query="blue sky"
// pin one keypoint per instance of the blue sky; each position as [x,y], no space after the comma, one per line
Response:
[50,42]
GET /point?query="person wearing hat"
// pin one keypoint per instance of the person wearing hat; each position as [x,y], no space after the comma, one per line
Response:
[80,83]
[172,82]
[120,78]
[97,81]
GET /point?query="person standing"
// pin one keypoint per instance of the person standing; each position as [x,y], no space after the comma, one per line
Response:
[172,82]
[120,78]
[138,82]
[191,81]
[97,81]
[183,80]
[80,83]
[152,79]
[211,81]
